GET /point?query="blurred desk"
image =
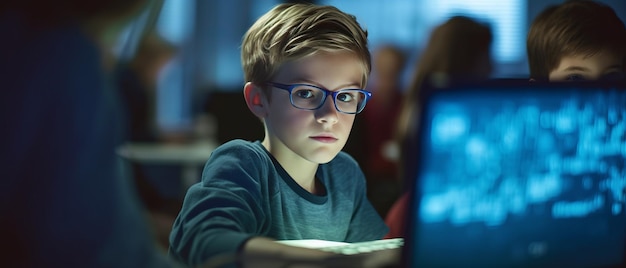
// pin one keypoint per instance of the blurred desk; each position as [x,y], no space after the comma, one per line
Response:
[191,157]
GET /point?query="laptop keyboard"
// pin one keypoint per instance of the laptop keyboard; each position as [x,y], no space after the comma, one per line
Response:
[364,247]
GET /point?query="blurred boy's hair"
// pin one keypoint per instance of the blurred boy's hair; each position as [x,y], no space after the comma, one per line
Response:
[295,31]
[576,27]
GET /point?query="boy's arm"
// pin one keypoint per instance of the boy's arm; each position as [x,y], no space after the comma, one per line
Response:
[227,208]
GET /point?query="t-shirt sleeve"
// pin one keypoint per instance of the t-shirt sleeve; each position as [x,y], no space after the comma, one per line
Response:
[225,209]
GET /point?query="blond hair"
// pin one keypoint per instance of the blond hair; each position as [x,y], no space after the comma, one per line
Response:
[295,31]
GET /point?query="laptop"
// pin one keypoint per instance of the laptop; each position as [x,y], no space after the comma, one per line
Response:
[381,253]
[512,174]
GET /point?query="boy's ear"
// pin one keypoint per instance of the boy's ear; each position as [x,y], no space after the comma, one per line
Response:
[255,99]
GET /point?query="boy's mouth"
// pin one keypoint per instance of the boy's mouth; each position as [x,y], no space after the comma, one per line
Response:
[324,138]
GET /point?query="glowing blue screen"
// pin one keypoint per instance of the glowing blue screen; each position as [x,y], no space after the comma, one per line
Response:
[522,177]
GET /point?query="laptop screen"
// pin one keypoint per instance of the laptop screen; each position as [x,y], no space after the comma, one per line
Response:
[519,176]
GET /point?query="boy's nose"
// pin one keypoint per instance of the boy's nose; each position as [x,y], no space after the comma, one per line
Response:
[327,113]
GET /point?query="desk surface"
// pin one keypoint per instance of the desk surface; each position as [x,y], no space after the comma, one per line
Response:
[156,153]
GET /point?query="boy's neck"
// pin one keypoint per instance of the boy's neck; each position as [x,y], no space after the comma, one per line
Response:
[302,171]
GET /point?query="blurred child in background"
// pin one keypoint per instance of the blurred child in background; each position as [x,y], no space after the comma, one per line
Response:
[443,62]
[575,41]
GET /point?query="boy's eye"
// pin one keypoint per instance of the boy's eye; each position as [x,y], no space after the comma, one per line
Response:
[305,93]
[575,77]
[345,97]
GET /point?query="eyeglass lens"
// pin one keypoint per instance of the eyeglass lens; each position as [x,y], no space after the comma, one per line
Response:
[306,97]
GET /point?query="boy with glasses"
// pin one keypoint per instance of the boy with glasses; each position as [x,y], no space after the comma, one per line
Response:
[305,67]
[577,40]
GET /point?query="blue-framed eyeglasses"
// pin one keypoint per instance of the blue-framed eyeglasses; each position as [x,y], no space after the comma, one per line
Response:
[310,97]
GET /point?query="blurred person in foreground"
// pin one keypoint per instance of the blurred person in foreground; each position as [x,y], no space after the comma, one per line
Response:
[65,199]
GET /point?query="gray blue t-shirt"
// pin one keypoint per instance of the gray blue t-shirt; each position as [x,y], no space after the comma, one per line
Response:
[245,192]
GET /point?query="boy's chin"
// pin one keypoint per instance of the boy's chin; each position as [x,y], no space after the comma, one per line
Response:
[323,158]
[324,161]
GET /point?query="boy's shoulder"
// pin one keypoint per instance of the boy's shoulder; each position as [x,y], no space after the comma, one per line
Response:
[240,145]
[239,153]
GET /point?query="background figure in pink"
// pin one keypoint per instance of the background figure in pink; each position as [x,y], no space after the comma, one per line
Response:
[378,124]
